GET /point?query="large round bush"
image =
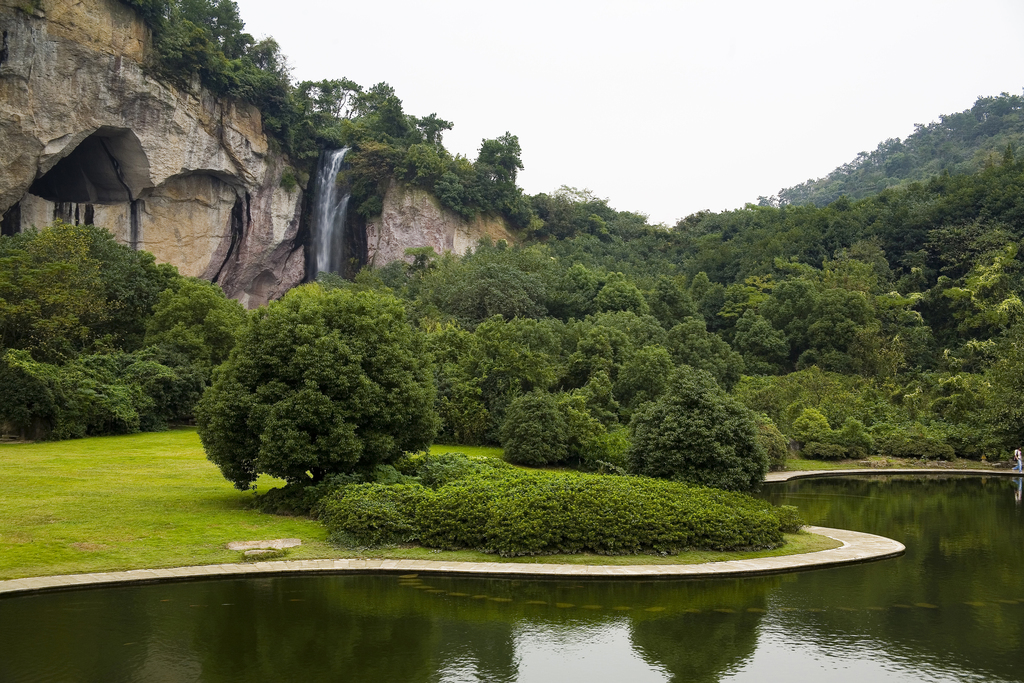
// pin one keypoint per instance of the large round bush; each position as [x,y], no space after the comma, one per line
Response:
[319,383]
[697,433]
[535,432]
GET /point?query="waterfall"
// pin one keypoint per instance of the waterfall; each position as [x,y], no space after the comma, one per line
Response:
[330,206]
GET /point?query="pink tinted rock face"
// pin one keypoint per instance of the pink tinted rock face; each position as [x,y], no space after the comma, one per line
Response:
[412,218]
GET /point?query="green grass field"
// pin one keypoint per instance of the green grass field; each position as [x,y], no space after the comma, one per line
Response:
[154,500]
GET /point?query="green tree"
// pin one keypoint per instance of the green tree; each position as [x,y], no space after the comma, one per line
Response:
[697,433]
[619,294]
[812,426]
[535,431]
[319,383]
[68,287]
[194,317]
[690,343]
[643,378]
[765,350]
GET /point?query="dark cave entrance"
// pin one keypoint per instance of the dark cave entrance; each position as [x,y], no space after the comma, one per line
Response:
[108,167]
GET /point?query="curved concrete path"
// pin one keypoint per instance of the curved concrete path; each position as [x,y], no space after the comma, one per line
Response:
[804,474]
[857,547]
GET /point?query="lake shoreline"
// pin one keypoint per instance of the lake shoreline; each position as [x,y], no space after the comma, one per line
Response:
[857,547]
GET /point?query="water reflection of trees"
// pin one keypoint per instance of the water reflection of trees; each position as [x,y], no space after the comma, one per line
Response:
[369,627]
[955,598]
[714,633]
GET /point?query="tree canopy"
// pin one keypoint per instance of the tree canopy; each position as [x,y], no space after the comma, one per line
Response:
[320,383]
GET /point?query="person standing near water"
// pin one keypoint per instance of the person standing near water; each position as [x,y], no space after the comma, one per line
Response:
[1018,461]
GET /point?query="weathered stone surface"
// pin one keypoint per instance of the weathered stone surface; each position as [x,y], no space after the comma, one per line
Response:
[197,170]
[412,217]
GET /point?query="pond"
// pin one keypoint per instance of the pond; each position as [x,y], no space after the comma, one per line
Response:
[951,609]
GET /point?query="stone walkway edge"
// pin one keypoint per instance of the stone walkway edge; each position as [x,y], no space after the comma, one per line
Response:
[857,547]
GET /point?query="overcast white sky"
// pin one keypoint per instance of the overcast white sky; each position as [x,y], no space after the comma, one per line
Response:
[664,108]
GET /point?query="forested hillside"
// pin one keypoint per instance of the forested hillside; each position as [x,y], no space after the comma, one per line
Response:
[890,324]
[964,142]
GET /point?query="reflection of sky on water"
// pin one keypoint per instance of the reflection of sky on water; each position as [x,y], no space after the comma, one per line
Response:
[545,652]
[785,656]
[600,653]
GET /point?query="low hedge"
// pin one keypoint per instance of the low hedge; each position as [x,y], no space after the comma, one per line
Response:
[529,513]
[371,514]
[916,447]
[816,450]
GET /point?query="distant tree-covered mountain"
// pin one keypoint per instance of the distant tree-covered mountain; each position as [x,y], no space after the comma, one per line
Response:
[957,143]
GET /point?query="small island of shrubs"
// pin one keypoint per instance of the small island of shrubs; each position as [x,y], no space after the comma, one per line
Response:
[452,503]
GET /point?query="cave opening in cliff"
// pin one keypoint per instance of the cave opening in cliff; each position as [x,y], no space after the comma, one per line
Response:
[108,167]
[10,223]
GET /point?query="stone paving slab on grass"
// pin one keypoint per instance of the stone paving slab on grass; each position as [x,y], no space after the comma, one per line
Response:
[857,547]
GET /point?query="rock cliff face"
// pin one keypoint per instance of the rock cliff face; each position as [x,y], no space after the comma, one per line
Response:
[412,217]
[87,136]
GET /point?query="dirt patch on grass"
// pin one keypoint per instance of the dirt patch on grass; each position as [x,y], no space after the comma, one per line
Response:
[89,547]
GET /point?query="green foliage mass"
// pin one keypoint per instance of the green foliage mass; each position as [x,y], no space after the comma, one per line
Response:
[957,143]
[885,296]
[697,433]
[892,315]
[320,382]
[512,512]
[547,429]
[774,442]
[74,359]
[193,317]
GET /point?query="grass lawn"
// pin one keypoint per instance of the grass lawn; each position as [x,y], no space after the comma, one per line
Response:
[471,451]
[154,500]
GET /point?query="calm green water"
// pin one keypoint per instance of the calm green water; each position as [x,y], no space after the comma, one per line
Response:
[952,609]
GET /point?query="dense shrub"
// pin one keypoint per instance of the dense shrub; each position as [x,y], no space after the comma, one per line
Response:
[371,514]
[789,519]
[812,426]
[916,447]
[434,471]
[535,431]
[775,444]
[511,512]
[95,394]
[697,433]
[817,450]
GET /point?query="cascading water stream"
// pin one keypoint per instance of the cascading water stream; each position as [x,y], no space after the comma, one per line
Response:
[330,206]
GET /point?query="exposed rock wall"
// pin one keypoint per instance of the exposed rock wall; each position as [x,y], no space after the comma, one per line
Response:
[84,131]
[412,217]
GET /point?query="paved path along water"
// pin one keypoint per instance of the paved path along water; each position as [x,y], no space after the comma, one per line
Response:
[857,547]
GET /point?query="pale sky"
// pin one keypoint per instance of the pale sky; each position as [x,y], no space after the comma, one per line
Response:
[664,108]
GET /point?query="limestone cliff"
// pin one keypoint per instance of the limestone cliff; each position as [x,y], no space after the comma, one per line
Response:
[87,135]
[412,217]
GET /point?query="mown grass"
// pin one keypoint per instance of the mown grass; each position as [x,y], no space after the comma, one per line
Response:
[471,451]
[154,500]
